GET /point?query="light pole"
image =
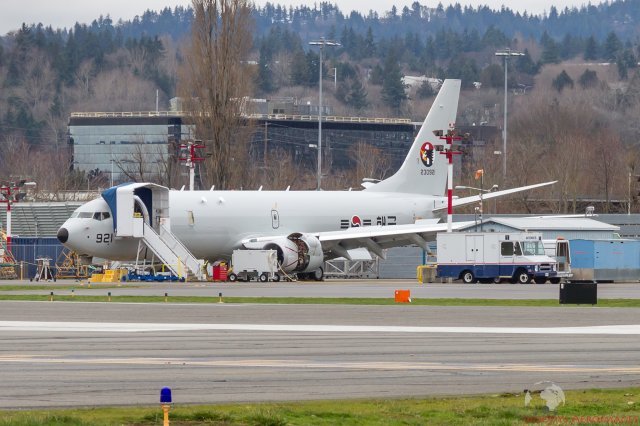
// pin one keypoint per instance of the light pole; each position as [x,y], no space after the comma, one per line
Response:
[322,43]
[507,53]
[481,191]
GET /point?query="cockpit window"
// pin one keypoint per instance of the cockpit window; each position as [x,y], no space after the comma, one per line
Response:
[75,214]
[105,215]
[85,215]
[97,216]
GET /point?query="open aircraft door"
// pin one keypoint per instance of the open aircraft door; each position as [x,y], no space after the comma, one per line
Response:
[134,204]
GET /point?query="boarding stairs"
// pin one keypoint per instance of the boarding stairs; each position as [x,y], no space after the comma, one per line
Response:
[172,252]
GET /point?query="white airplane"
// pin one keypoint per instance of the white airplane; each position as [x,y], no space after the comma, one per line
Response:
[304,227]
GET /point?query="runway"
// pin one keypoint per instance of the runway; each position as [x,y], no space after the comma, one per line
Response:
[81,354]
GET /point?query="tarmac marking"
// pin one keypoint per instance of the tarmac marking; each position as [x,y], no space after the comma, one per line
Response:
[114,327]
[305,364]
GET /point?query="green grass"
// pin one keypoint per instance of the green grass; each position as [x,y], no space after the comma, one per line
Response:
[582,407]
[607,303]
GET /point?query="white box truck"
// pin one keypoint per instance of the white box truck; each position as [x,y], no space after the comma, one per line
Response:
[493,257]
[261,265]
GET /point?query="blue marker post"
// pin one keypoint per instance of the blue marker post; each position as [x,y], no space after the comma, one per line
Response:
[165,403]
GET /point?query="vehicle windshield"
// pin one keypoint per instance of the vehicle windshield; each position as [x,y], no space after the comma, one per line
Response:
[532,248]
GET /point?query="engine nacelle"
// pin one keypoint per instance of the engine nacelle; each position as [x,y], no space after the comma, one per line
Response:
[296,253]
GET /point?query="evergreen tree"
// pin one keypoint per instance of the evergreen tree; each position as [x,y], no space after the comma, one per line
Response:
[590,49]
[357,95]
[525,64]
[369,48]
[612,45]
[624,61]
[393,89]
[588,79]
[299,68]
[551,51]
[561,81]
[425,90]
[492,76]
[265,76]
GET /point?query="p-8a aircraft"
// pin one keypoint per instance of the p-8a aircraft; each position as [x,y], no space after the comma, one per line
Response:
[304,227]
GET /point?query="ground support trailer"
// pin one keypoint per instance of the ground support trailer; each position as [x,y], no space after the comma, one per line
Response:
[261,265]
[493,257]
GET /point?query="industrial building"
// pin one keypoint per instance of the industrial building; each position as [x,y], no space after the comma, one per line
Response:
[111,143]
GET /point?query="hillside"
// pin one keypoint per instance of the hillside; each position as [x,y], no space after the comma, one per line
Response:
[46,73]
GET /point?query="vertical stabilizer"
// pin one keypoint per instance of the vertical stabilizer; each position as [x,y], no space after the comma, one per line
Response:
[424,171]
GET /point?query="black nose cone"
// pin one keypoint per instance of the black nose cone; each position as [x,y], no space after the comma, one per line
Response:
[63,235]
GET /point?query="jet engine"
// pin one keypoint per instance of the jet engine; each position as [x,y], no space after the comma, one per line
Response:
[296,253]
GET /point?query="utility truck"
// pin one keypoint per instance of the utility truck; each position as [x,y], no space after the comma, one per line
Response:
[493,257]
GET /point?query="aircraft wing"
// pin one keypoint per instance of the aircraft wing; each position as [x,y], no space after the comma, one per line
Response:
[377,238]
[489,195]
[373,238]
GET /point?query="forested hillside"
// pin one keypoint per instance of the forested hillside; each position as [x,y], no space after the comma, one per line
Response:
[46,73]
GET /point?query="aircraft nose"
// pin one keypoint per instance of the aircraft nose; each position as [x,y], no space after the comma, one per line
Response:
[63,235]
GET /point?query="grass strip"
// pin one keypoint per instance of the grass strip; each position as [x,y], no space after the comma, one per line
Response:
[603,303]
[611,406]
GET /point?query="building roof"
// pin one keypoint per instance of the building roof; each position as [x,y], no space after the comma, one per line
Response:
[542,223]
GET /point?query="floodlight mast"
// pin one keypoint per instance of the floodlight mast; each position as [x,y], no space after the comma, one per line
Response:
[322,43]
[507,53]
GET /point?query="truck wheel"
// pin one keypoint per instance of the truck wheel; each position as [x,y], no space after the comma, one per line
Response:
[232,277]
[521,277]
[554,280]
[540,280]
[318,274]
[263,278]
[468,277]
[276,278]
[497,280]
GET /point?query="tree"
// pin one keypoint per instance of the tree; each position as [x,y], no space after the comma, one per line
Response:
[611,47]
[492,76]
[561,81]
[357,96]
[551,51]
[588,79]
[214,84]
[425,90]
[591,49]
[393,89]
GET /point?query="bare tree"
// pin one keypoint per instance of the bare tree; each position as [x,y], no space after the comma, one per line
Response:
[214,83]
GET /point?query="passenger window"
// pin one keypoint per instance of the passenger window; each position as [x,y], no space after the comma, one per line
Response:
[506,248]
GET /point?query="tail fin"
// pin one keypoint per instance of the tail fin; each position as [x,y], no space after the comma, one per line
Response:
[424,171]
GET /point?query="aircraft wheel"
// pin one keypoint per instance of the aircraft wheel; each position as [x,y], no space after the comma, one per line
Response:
[263,278]
[318,274]
[468,277]
[232,277]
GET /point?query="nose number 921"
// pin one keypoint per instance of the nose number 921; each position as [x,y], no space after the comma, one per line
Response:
[104,238]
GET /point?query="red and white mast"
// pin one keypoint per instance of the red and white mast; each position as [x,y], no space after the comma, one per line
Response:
[191,159]
[450,137]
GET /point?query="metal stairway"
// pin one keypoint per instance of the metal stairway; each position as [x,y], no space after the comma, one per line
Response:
[172,252]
